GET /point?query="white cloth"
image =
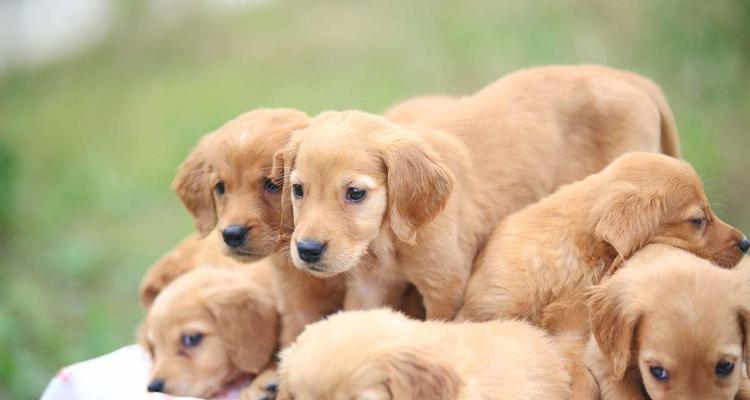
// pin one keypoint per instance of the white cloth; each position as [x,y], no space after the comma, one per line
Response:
[120,375]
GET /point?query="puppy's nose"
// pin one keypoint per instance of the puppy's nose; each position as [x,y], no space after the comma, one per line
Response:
[310,250]
[157,385]
[234,235]
[744,245]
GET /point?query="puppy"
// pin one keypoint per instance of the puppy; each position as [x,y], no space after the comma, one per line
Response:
[211,327]
[540,260]
[670,325]
[191,253]
[380,354]
[416,204]
[418,108]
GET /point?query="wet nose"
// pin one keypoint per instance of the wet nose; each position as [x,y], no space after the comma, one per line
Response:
[234,235]
[310,250]
[157,385]
[744,245]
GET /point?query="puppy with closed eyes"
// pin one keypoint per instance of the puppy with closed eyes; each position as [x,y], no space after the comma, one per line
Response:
[415,203]
[381,355]
[209,328]
[670,325]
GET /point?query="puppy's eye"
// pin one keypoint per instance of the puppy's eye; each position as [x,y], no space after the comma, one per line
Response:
[659,373]
[698,222]
[192,340]
[297,190]
[219,188]
[271,187]
[724,368]
[355,194]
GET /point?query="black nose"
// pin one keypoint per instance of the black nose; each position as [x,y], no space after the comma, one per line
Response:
[234,235]
[744,245]
[157,385]
[310,250]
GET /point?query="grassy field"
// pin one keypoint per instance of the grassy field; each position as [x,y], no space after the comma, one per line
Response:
[88,146]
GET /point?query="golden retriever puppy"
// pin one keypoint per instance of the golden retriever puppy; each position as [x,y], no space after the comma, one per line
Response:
[417,108]
[191,253]
[415,204]
[380,355]
[540,260]
[670,325]
[210,327]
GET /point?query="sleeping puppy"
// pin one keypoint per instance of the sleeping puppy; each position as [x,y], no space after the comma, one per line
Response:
[210,327]
[670,325]
[191,253]
[380,355]
[540,260]
[415,204]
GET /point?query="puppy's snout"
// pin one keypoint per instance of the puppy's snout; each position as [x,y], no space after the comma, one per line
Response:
[157,385]
[744,245]
[234,235]
[310,250]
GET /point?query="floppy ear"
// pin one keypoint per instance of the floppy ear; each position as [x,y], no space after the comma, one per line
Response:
[419,185]
[193,187]
[248,325]
[283,162]
[415,375]
[613,324]
[627,217]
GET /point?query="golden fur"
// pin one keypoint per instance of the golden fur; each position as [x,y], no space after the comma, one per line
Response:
[540,260]
[380,354]
[668,308]
[233,310]
[436,189]
[191,253]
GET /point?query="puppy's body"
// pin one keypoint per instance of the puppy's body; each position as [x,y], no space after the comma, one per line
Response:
[671,310]
[436,189]
[209,327]
[382,355]
[540,260]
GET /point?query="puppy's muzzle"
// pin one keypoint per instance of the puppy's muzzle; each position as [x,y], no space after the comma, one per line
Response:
[235,235]
[310,250]
[157,385]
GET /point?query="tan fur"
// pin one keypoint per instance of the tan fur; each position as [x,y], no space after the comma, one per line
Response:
[668,308]
[380,354]
[191,253]
[418,108]
[438,187]
[233,309]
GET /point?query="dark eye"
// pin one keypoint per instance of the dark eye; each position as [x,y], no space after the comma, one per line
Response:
[724,368]
[355,194]
[659,373]
[219,188]
[698,222]
[297,190]
[192,340]
[271,187]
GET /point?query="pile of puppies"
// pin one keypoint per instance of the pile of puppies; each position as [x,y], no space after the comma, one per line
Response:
[532,236]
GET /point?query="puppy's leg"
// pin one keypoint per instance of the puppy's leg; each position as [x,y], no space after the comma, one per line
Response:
[263,386]
[442,287]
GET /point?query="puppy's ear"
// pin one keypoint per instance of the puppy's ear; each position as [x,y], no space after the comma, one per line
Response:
[419,184]
[283,162]
[744,318]
[627,217]
[613,324]
[194,189]
[415,375]
[248,325]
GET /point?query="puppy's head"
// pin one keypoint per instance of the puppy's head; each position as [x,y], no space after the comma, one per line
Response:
[360,174]
[652,198]
[225,182]
[207,328]
[680,320]
[366,359]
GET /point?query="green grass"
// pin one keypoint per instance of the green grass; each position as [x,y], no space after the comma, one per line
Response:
[89,146]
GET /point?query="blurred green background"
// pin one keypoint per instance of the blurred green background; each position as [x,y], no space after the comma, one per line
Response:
[89,144]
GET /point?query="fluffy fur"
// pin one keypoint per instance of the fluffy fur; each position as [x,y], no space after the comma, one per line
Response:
[234,312]
[670,309]
[379,355]
[436,189]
